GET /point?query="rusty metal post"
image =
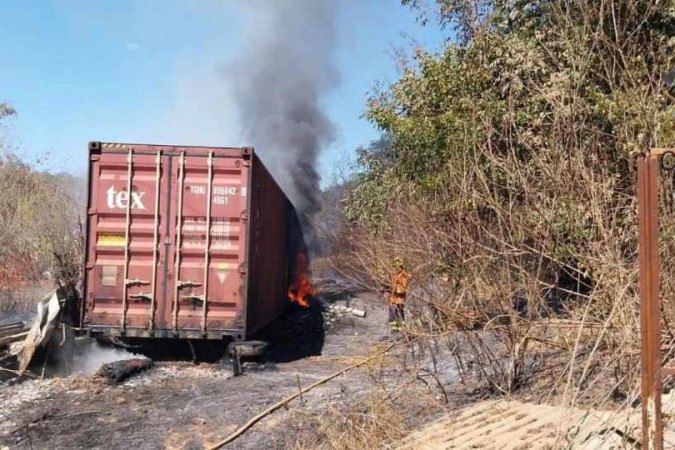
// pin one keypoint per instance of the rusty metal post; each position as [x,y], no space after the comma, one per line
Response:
[650,312]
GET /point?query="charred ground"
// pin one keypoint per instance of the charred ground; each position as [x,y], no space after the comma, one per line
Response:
[182,405]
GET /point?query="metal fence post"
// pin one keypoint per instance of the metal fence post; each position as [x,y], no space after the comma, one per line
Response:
[650,312]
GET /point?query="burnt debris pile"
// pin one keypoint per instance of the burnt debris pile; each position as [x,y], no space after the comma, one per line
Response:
[118,371]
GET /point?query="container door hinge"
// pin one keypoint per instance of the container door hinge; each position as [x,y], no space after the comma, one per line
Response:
[242,269]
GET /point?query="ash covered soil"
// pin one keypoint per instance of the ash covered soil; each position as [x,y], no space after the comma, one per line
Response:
[177,404]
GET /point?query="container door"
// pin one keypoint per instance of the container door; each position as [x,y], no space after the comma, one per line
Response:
[126,219]
[209,242]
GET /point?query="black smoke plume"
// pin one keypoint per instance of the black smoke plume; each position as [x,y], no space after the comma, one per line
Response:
[278,81]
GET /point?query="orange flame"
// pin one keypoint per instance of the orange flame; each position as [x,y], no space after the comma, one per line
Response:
[301,287]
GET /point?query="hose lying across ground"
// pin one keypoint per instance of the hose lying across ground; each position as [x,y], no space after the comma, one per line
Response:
[290,398]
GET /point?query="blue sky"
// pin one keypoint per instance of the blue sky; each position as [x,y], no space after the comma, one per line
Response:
[147,71]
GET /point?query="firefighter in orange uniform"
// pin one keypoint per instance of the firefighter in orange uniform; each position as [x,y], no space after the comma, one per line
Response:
[399,291]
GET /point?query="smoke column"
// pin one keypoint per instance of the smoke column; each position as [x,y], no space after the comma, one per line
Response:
[285,68]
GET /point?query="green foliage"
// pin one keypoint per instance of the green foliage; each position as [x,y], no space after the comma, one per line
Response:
[374,184]
[535,77]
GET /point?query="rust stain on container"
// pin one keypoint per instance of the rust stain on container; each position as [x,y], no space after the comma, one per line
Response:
[185,242]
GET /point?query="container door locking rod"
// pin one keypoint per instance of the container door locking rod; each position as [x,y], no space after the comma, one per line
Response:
[127,238]
[207,244]
[179,239]
[155,242]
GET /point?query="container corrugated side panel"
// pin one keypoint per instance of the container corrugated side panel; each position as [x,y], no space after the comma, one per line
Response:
[268,254]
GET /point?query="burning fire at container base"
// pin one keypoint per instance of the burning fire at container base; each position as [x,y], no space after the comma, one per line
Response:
[301,288]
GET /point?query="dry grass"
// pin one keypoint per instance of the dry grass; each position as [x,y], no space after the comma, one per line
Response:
[511,290]
[380,418]
[390,396]
[354,427]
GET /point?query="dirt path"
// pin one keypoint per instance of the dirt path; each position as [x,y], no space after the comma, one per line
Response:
[181,405]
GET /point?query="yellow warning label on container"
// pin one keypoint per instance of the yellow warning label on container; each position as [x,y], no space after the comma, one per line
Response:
[111,239]
[225,266]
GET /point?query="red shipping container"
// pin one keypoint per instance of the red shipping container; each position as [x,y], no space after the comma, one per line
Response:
[184,242]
